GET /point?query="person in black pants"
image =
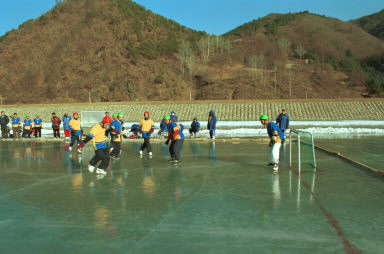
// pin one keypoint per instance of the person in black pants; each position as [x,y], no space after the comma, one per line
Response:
[176,135]
[4,120]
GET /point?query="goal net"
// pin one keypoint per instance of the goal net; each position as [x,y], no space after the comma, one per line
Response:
[90,118]
[302,150]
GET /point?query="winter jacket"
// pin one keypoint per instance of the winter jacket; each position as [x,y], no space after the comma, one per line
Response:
[195,126]
[275,133]
[66,120]
[211,121]
[55,122]
[4,120]
[283,121]
[173,116]
[163,126]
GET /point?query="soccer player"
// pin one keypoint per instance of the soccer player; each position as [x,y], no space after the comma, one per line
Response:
[176,135]
[276,137]
[283,121]
[55,125]
[211,125]
[16,126]
[76,131]
[115,131]
[97,135]
[195,127]
[67,132]
[38,123]
[27,127]
[147,127]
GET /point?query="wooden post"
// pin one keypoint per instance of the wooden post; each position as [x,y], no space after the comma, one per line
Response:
[1,100]
[190,95]
[89,96]
[290,83]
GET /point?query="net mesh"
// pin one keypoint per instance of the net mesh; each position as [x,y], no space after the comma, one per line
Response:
[307,154]
[90,118]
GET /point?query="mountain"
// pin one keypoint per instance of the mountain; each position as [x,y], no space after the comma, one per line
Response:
[373,24]
[116,50]
[108,49]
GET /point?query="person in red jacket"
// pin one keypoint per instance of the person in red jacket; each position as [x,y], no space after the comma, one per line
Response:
[55,125]
[107,116]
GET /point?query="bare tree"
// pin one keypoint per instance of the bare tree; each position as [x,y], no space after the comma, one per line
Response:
[284,45]
[300,51]
[186,57]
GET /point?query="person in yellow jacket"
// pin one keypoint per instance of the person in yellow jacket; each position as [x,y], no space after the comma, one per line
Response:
[147,126]
[76,131]
[97,135]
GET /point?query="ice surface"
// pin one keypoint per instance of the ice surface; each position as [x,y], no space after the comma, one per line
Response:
[220,199]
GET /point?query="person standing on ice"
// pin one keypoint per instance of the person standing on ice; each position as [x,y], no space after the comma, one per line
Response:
[115,130]
[277,138]
[195,127]
[16,125]
[55,125]
[76,131]
[175,134]
[67,132]
[283,121]
[4,120]
[38,125]
[147,127]
[97,135]
[173,116]
[211,125]
[105,118]
[27,127]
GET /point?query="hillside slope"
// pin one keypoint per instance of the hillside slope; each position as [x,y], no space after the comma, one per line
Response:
[373,24]
[113,50]
[116,50]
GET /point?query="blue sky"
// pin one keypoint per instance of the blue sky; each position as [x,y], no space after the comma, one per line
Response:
[212,16]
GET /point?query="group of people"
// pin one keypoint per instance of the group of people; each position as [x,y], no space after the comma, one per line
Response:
[114,126]
[29,126]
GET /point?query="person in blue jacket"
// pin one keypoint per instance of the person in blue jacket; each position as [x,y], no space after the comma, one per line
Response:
[67,132]
[173,116]
[277,138]
[283,121]
[163,129]
[195,127]
[211,125]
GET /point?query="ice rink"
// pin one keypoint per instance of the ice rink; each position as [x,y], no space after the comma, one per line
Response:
[221,199]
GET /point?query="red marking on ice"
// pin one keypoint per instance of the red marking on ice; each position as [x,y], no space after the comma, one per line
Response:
[348,246]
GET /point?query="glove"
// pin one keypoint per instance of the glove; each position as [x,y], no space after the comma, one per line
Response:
[151,131]
[81,145]
[167,142]
[73,131]
[123,128]
[272,142]
[214,126]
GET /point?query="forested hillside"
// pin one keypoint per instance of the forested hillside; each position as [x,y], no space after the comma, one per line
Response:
[116,50]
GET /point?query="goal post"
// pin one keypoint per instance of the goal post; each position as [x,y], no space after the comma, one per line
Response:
[90,118]
[305,151]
